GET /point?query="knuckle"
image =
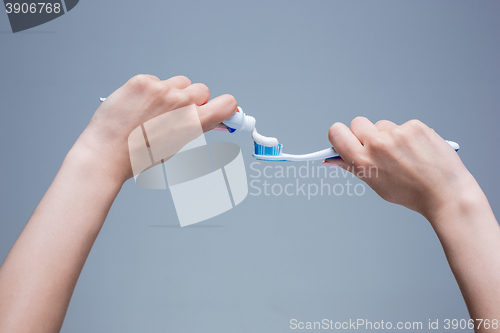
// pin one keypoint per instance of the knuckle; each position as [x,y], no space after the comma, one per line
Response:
[416,125]
[140,82]
[363,161]
[398,133]
[161,89]
[375,142]
[413,122]
[358,119]
[156,90]
[184,78]
[382,122]
[204,89]
[360,161]
[179,98]
[164,89]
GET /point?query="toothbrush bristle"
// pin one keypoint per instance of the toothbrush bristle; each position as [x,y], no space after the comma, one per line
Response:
[265,150]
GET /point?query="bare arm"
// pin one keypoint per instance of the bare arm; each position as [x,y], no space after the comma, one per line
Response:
[418,169]
[40,272]
[38,276]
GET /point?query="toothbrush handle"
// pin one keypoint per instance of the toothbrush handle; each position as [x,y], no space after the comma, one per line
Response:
[317,155]
[453,145]
[331,153]
[324,154]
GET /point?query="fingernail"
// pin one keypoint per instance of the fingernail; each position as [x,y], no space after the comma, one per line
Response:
[330,163]
[219,129]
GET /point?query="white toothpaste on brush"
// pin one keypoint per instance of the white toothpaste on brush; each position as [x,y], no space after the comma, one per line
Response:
[263,140]
[240,122]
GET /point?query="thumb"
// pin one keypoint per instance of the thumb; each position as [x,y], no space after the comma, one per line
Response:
[336,161]
[345,143]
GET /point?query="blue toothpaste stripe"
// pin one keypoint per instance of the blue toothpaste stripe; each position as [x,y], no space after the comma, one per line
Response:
[270,151]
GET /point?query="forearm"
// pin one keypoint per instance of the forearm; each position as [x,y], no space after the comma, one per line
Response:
[41,270]
[416,168]
[39,274]
[470,236]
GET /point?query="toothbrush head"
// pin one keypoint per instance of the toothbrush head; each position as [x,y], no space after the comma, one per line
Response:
[267,150]
[268,153]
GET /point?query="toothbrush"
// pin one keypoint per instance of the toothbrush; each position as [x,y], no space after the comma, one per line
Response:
[269,149]
[266,148]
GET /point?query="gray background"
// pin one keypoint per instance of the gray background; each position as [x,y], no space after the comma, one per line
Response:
[297,67]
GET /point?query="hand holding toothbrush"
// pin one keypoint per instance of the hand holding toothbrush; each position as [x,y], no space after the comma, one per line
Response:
[416,168]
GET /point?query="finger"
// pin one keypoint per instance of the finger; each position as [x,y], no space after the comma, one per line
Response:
[216,111]
[415,126]
[336,161]
[197,93]
[363,128]
[385,125]
[345,143]
[155,78]
[179,82]
[221,128]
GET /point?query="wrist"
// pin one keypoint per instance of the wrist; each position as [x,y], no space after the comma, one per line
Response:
[96,160]
[464,202]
